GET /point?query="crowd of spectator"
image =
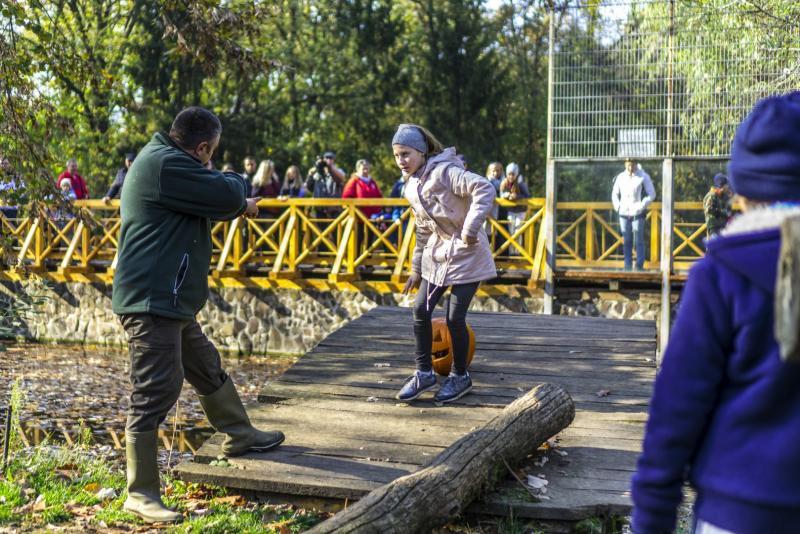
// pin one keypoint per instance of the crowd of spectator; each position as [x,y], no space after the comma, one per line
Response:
[632,192]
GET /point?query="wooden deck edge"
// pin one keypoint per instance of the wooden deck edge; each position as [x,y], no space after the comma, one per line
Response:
[332,500]
[496,506]
[237,479]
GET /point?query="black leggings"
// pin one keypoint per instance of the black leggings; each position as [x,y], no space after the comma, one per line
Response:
[457,306]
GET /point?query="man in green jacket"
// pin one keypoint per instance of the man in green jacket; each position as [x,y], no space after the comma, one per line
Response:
[161,282]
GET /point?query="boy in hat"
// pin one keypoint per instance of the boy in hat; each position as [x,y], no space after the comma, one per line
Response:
[725,413]
[717,205]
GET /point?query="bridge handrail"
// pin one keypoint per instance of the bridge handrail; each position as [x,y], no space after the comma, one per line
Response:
[290,237]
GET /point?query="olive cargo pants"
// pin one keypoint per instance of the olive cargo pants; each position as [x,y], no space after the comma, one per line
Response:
[163,352]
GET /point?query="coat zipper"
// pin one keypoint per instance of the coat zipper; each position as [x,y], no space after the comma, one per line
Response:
[179,278]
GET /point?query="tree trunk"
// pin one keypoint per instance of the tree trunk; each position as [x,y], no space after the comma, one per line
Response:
[471,466]
[787,293]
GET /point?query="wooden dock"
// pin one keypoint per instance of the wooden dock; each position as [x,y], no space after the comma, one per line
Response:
[347,435]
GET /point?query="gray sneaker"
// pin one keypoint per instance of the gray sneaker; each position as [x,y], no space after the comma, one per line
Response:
[454,387]
[416,385]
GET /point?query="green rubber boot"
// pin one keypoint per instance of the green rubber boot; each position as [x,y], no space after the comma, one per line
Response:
[226,414]
[144,492]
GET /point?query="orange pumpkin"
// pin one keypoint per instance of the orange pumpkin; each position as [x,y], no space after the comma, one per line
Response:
[442,346]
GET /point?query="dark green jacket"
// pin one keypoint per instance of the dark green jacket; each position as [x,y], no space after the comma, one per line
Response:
[168,202]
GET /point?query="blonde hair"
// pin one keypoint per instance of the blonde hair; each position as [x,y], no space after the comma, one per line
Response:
[434,145]
[292,182]
[495,165]
[265,172]
[360,163]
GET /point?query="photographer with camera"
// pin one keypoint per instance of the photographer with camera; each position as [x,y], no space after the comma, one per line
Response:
[326,181]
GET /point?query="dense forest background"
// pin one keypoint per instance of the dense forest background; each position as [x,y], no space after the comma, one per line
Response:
[94,79]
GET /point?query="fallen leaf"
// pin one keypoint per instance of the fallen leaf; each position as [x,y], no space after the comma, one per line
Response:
[68,467]
[603,393]
[233,500]
[192,505]
[67,474]
[92,487]
[80,510]
[281,526]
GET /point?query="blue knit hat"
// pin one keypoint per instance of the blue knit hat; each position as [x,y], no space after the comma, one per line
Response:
[765,156]
[410,135]
[720,180]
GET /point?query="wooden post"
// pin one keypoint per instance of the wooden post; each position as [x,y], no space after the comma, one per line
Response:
[666,256]
[667,199]
[787,294]
[461,473]
[287,246]
[551,234]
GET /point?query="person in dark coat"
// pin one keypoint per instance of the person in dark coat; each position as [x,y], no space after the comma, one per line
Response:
[725,412]
[169,199]
[116,186]
[717,205]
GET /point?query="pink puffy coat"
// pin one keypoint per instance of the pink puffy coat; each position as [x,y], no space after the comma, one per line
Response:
[450,203]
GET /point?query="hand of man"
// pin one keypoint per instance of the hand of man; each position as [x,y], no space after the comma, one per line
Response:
[252,207]
[413,282]
[106,200]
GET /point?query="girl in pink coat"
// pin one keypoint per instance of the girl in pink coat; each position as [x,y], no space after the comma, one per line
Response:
[450,206]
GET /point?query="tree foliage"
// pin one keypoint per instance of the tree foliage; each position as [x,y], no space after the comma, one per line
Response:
[290,79]
[94,79]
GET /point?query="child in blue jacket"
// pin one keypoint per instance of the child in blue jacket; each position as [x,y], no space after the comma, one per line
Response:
[725,413]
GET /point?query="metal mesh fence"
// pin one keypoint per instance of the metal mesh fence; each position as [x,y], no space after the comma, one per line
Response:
[656,78]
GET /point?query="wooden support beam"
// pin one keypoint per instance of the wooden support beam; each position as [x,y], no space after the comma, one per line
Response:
[462,472]
[787,295]
[405,250]
[73,244]
[666,255]
[288,238]
[26,245]
[226,248]
[336,274]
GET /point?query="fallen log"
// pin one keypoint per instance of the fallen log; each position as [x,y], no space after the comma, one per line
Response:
[461,473]
[787,292]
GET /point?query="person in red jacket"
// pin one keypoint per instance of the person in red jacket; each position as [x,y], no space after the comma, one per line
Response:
[78,183]
[361,185]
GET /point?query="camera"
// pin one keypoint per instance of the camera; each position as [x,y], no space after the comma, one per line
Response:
[321,165]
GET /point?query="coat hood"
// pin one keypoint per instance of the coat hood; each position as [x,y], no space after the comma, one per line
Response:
[448,156]
[750,244]
[752,255]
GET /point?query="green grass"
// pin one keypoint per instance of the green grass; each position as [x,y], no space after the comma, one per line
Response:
[50,484]
[67,479]
[222,520]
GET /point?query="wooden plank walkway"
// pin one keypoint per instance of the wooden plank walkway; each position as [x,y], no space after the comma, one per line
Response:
[346,434]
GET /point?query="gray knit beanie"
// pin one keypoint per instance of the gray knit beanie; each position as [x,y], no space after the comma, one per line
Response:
[410,135]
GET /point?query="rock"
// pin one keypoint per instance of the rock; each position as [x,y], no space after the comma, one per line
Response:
[253,325]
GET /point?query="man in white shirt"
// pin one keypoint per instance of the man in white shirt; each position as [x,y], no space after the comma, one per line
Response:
[632,193]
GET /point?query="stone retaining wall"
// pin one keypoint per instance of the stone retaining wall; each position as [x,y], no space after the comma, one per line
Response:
[258,320]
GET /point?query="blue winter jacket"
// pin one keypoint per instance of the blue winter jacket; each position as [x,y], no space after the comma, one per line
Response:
[725,412]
